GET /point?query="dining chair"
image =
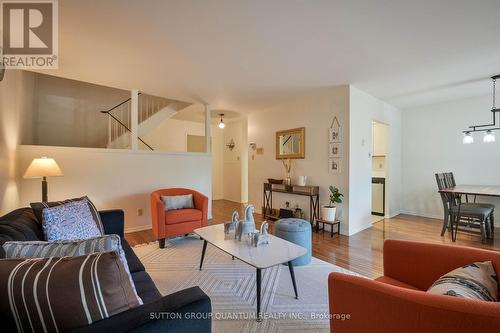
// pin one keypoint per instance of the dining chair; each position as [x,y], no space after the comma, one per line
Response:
[462,213]
[450,182]
[445,198]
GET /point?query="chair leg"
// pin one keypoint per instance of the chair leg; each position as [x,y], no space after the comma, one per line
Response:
[488,227]
[492,223]
[483,231]
[162,243]
[445,223]
[453,232]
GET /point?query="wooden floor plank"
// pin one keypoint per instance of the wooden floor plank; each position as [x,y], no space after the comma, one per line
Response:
[362,252]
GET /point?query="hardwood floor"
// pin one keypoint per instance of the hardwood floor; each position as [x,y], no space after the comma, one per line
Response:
[362,252]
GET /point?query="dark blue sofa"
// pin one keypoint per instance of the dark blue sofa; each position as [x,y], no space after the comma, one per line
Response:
[22,225]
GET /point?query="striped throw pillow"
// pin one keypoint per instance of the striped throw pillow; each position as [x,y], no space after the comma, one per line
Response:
[38,249]
[474,281]
[62,294]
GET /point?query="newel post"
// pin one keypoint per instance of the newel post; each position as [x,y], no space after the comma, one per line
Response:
[134,118]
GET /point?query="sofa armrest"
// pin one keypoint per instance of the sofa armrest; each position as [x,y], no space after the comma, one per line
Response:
[113,221]
[421,264]
[378,307]
[188,310]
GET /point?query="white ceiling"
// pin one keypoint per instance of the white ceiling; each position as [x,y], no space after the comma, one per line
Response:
[246,55]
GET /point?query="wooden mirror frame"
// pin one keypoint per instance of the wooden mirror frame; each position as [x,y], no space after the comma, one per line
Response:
[301,153]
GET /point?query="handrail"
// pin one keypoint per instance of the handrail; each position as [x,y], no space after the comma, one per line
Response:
[108,112]
[116,106]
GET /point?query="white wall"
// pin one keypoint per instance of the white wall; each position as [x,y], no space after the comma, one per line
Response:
[116,178]
[432,143]
[16,102]
[364,109]
[314,112]
[230,167]
[355,110]
[233,161]
[66,112]
[171,135]
[244,160]
[217,163]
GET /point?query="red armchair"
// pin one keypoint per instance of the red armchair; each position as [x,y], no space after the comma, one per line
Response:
[397,301]
[171,223]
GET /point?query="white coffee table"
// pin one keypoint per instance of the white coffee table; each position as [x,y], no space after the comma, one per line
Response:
[278,251]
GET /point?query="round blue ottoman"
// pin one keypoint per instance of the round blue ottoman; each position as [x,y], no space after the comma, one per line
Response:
[296,231]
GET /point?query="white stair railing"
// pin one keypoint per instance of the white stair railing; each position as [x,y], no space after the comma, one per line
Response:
[119,120]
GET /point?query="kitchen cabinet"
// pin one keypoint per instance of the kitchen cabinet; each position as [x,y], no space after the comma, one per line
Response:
[380,137]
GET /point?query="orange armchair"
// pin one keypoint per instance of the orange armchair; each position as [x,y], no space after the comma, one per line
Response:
[171,223]
[397,301]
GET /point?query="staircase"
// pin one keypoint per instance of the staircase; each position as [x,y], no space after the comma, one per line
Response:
[152,111]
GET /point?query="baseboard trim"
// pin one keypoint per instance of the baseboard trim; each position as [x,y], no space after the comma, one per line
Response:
[137,228]
[392,215]
[423,214]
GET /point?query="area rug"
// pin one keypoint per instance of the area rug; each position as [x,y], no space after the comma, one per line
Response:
[231,287]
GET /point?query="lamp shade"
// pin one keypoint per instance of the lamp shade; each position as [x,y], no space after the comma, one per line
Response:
[43,167]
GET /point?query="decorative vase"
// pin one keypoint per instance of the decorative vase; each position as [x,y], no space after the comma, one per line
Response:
[288,180]
[302,181]
[328,213]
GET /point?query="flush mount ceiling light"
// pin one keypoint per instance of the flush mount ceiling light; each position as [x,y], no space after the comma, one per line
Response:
[489,135]
[221,122]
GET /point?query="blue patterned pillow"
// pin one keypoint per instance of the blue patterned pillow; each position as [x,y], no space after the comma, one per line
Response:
[69,221]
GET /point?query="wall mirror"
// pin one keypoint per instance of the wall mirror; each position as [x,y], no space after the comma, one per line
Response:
[291,143]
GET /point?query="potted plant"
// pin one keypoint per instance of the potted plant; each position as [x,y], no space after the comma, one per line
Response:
[328,211]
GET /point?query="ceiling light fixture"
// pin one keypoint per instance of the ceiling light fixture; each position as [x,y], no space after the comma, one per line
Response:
[221,122]
[489,136]
[468,138]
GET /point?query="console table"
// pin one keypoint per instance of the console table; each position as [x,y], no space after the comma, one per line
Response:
[310,191]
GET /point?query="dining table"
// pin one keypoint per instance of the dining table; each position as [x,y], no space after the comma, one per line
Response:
[473,191]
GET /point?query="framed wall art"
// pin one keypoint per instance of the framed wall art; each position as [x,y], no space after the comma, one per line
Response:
[334,146]
[335,134]
[335,150]
[334,165]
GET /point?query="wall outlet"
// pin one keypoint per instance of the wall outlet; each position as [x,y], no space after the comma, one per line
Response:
[139,212]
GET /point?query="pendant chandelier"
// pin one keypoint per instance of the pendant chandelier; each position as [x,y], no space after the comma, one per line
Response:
[488,129]
[221,121]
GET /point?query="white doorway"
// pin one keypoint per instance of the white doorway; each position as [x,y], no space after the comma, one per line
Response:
[380,156]
[229,157]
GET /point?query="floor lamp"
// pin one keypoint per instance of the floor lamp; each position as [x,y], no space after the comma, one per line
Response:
[42,168]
